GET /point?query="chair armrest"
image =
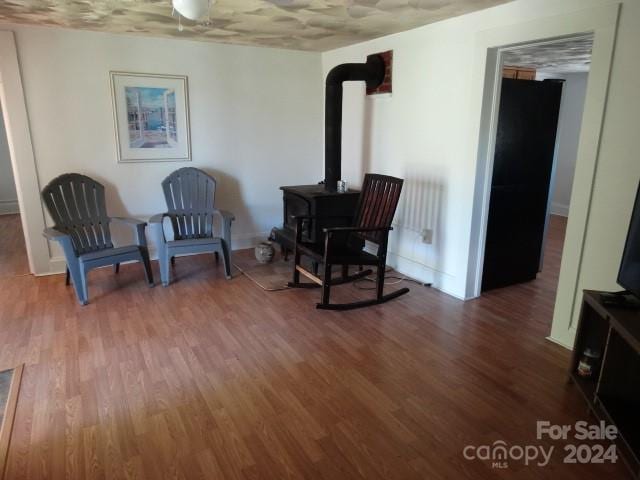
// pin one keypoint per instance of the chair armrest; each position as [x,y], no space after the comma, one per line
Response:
[137,226]
[299,219]
[226,215]
[331,230]
[356,229]
[128,221]
[313,217]
[53,234]
[156,230]
[227,219]
[65,242]
[159,218]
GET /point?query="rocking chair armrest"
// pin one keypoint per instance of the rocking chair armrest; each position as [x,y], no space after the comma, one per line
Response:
[314,217]
[356,229]
[299,219]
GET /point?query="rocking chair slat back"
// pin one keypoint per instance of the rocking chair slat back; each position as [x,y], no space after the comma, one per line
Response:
[377,204]
[190,195]
[77,205]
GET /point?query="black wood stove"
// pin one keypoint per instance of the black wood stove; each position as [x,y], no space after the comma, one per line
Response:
[323,201]
[330,209]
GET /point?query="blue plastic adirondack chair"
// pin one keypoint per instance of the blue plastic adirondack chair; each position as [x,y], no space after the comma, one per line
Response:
[77,205]
[190,194]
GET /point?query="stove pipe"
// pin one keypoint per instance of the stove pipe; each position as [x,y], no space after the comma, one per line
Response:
[372,72]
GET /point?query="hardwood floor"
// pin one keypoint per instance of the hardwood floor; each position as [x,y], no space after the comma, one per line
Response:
[13,254]
[217,379]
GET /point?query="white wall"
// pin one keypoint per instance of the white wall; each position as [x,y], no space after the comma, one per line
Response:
[256,116]
[421,133]
[569,123]
[8,195]
[417,134]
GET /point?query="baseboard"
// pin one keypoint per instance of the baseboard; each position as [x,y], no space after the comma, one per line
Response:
[9,207]
[57,265]
[403,265]
[423,273]
[559,209]
[560,342]
[248,240]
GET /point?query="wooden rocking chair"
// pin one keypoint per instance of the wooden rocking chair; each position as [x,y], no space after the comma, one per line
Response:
[345,245]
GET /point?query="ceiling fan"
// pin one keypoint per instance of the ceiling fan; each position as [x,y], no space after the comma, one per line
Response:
[192,9]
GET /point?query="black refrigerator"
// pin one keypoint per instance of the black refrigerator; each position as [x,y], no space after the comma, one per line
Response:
[520,185]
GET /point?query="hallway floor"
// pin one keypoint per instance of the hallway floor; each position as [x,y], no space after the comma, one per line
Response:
[13,254]
[542,290]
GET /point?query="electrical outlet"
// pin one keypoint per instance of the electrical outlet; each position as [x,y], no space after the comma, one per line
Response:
[427,236]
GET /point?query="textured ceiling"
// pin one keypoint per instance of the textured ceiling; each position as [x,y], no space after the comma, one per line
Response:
[570,55]
[297,24]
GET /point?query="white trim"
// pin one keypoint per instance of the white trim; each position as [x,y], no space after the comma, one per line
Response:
[568,346]
[16,122]
[484,169]
[602,22]
[247,240]
[424,273]
[57,266]
[9,207]
[559,209]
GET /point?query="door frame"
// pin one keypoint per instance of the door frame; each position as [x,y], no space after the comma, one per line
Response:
[601,22]
[16,120]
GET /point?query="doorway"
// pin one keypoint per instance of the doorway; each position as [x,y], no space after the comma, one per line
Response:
[13,252]
[602,22]
[541,101]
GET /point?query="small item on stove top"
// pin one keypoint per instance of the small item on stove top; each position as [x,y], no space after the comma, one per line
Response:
[342,186]
[588,364]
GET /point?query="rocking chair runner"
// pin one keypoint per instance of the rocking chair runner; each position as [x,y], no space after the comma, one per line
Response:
[345,245]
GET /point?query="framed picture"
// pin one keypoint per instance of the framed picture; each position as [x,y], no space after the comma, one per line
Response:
[151,115]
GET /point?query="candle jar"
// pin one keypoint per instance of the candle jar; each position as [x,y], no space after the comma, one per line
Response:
[589,363]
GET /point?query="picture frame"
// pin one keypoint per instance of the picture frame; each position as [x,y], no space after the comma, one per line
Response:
[151,117]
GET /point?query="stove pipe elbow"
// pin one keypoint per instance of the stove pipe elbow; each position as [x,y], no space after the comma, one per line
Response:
[372,72]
